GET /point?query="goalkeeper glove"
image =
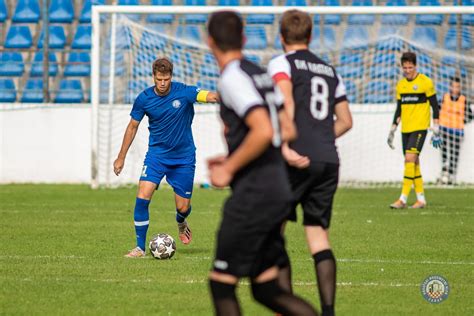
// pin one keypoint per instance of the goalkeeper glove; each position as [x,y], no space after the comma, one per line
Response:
[391,136]
[436,140]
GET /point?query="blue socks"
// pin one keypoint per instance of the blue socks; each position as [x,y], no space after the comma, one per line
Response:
[180,217]
[141,218]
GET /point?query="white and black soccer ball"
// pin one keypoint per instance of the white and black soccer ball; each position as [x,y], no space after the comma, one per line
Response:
[162,246]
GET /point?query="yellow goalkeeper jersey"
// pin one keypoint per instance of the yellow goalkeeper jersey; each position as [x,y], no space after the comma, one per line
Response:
[414,96]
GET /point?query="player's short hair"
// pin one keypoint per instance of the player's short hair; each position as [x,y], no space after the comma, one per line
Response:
[296,27]
[162,65]
[408,57]
[455,79]
[226,29]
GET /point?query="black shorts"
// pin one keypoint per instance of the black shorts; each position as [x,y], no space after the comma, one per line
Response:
[413,142]
[249,240]
[314,189]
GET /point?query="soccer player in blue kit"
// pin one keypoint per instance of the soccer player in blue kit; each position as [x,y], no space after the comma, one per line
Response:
[171,151]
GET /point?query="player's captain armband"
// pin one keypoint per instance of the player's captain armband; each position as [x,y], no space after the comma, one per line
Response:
[280,76]
[202,96]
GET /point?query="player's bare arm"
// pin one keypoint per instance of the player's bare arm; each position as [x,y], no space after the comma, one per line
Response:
[287,126]
[257,140]
[286,88]
[128,138]
[343,122]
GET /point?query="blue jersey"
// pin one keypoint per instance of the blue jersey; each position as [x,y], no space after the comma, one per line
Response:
[169,119]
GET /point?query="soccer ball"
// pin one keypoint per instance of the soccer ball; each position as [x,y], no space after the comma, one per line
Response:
[162,246]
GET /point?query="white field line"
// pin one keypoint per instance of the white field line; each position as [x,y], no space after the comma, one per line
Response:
[207,258]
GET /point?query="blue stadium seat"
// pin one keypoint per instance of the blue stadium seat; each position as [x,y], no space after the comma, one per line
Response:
[256,37]
[329,38]
[330,19]
[70,91]
[384,66]
[195,18]
[261,18]
[466,19]
[361,19]
[350,65]
[86,11]
[210,85]
[82,38]
[228,3]
[57,37]
[160,18]
[352,92]
[78,65]
[33,91]
[450,41]
[395,19]
[3,11]
[429,19]
[134,89]
[37,66]
[296,3]
[26,11]
[19,36]
[151,40]
[356,37]
[388,39]
[61,11]
[11,64]
[378,92]
[188,32]
[133,17]
[425,36]
[7,90]
[210,69]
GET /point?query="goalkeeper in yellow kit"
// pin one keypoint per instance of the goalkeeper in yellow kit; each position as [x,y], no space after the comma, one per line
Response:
[415,95]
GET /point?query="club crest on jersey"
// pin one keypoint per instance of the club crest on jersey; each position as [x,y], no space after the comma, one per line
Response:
[176,104]
[415,87]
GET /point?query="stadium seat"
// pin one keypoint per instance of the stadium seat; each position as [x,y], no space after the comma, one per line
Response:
[350,65]
[210,85]
[151,40]
[425,36]
[330,19]
[210,69]
[33,91]
[195,18]
[37,66]
[261,18]
[3,11]
[78,65]
[352,92]
[356,37]
[361,19]
[384,66]
[134,89]
[26,11]
[70,91]
[57,37]
[228,3]
[450,40]
[19,36]
[82,38]
[429,19]
[466,19]
[395,19]
[424,64]
[86,11]
[7,90]
[188,32]
[256,37]
[329,39]
[160,18]
[388,39]
[133,17]
[296,3]
[61,11]
[378,92]
[11,64]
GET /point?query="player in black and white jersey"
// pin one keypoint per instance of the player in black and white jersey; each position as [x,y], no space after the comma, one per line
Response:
[314,94]
[249,242]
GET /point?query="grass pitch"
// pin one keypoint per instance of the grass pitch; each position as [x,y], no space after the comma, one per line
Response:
[62,250]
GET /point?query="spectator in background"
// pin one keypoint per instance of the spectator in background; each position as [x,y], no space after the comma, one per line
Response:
[455,112]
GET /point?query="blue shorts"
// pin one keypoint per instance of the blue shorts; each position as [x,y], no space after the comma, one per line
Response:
[179,173]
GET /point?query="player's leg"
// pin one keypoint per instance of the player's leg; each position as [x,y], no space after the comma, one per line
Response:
[445,161]
[284,273]
[317,210]
[141,216]
[456,150]
[408,141]
[181,178]
[418,179]
[222,288]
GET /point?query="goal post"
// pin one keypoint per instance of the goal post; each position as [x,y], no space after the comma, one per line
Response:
[124,44]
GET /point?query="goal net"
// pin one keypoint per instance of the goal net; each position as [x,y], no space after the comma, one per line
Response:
[364,45]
